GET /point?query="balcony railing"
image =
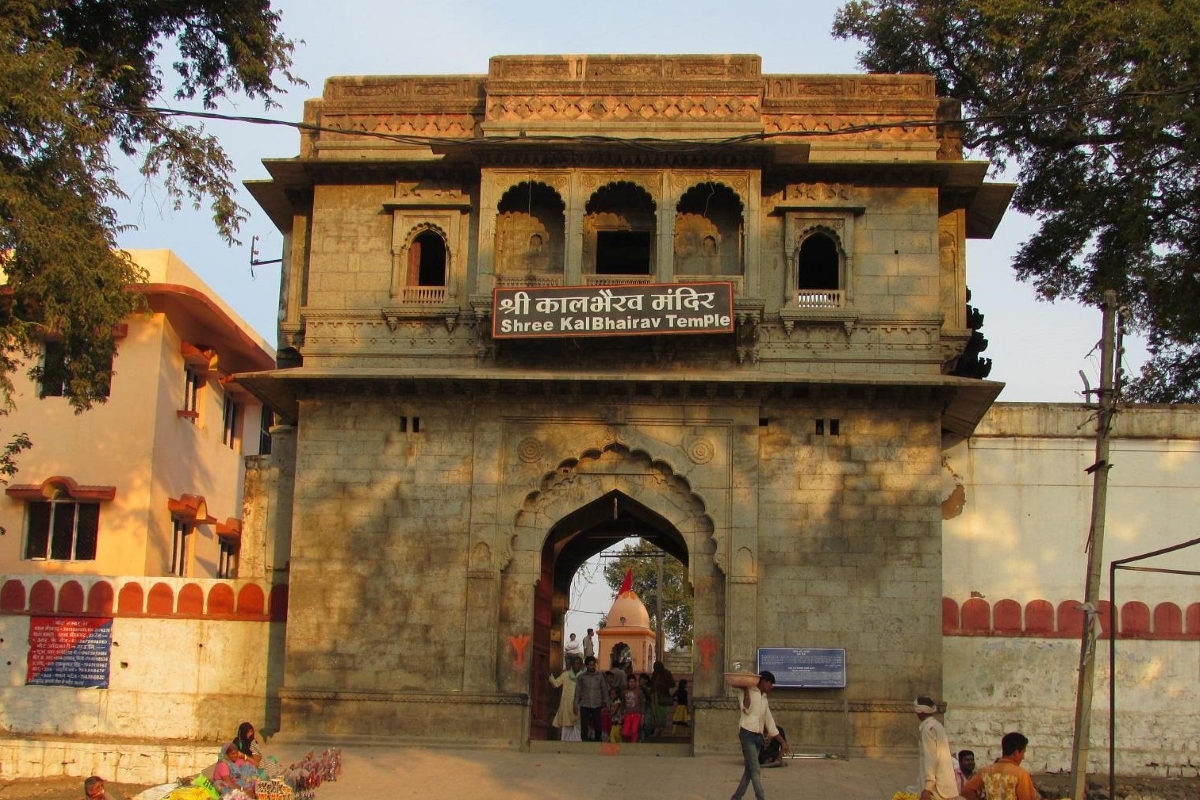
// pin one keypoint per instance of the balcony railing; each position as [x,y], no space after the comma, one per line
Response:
[422,295]
[514,281]
[616,280]
[820,298]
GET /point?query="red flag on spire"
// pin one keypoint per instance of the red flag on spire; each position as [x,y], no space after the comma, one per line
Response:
[627,584]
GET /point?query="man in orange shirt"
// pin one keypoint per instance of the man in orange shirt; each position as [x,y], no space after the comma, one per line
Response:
[1006,779]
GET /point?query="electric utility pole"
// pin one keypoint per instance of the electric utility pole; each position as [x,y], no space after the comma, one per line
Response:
[1107,397]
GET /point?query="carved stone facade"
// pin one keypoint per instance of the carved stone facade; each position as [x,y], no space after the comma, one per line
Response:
[448,484]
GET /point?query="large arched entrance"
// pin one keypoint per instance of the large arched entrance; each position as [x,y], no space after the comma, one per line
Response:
[577,537]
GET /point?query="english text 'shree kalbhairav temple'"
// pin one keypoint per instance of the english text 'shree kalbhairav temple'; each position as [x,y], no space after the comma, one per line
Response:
[528,313]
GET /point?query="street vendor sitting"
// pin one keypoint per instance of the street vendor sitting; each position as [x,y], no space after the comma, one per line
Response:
[247,743]
[234,771]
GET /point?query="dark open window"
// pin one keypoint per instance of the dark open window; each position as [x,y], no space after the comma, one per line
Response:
[819,263]
[427,260]
[623,252]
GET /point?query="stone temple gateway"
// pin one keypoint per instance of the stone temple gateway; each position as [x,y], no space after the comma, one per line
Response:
[451,474]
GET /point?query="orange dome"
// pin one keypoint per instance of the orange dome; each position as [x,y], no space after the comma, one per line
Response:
[631,607]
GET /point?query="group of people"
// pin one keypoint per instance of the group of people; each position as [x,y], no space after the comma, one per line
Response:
[943,777]
[236,770]
[616,705]
[242,772]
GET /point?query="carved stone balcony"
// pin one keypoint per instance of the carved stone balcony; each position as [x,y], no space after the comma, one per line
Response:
[422,295]
[820,298]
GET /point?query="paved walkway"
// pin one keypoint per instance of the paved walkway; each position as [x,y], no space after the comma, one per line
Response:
[380,773]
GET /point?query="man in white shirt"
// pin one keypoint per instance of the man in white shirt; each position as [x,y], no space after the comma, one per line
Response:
[755,726]
[937,765]
[572,650]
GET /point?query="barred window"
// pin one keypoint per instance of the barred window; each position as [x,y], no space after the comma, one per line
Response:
[181,548]
[61,530]
[230,434]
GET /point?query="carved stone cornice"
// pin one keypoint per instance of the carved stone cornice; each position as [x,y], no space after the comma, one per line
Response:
[394,315]
[425,698]
[781,702]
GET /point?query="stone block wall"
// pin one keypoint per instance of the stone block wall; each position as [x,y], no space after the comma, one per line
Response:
[997,684]
[379,546]
[850,551]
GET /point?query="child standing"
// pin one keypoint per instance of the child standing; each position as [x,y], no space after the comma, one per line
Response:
[616,713]
[631,721]
[682,716]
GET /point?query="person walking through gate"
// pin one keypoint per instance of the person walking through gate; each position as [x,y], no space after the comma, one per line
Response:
[755,721]
[590,694]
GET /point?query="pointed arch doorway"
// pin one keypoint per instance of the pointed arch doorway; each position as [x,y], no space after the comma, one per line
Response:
[581,534]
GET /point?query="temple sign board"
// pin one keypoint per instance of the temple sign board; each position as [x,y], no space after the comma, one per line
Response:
[805,667]
[624,310]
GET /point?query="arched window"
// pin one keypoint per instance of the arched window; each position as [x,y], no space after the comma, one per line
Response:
[530,236]
[708,232]
[427,260]
[619,235]
[819,273]
[818,263]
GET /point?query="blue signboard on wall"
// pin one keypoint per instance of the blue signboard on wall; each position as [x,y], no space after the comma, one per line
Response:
[805,667]
[69,651]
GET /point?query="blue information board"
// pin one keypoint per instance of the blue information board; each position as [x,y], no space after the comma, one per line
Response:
[805,667]
[69,651]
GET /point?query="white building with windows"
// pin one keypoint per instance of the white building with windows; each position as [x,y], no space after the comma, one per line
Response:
[149,483]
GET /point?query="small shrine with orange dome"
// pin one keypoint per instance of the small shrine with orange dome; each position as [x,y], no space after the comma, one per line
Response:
[626,634]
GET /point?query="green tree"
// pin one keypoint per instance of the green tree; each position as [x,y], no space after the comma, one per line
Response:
[78,80]
[677,599]
[1095,102]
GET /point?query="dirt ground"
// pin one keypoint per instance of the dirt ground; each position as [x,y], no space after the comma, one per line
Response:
[1059,785]
[65,788]
[1051,786]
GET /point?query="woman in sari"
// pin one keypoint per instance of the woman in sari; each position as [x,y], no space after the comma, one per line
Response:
[234,771]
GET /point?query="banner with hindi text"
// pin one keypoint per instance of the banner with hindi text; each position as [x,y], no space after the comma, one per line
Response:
[625,310]
[69,651]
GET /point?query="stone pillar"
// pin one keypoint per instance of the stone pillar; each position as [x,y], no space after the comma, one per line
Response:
[665,228]
[485,266]
[741,620]
[257,500]
[278,530]
[753,238]
[573,246]
[483,619]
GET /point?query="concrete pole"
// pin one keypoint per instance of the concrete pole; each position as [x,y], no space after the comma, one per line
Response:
[1099,470]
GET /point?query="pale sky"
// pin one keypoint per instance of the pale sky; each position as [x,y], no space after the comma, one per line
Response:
[1037,348]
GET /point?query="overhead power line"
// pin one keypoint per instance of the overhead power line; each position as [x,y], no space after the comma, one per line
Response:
[656,143]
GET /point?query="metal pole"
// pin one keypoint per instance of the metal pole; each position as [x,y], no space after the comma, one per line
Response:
[1095,548]
[1112,679]
[658,607]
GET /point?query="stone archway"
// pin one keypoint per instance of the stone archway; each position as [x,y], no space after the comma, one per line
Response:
[569,519]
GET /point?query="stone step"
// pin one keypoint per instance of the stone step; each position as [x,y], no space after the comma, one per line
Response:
[646,749]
